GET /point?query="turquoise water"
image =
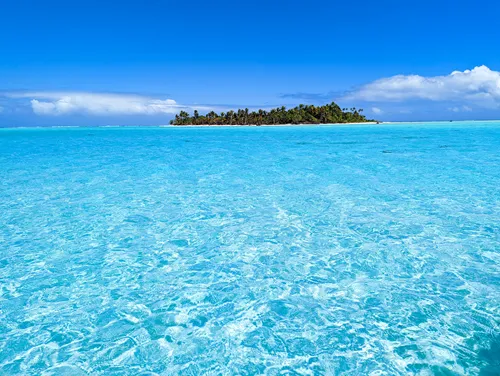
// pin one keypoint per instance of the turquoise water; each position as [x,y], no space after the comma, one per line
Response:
[346,250]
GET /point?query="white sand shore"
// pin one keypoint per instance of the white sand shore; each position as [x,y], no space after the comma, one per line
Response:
[274,125]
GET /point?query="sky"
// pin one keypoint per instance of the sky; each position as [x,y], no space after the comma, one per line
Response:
[140,62]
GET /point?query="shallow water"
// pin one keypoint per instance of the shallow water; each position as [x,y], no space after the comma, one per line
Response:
[348,250]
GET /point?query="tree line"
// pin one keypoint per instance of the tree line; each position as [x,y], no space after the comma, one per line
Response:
[302,114]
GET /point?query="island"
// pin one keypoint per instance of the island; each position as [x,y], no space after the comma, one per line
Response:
[302,114]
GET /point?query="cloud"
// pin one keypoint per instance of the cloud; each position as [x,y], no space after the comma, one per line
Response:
[480,85]
[460,109]
[1,109]
[377,110]
[64,103]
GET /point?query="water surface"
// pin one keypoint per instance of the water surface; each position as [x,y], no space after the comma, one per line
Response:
[347,250]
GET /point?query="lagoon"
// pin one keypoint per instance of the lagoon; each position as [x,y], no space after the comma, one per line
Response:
[357,249]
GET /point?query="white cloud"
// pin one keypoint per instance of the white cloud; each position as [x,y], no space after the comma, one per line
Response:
[377,110]
[480,85]
[460,109]
[48,103]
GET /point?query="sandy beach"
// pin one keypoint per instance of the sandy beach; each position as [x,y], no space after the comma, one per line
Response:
[274,125]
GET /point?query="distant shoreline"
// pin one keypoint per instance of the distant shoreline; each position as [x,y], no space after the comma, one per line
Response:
[302,114]
[272,125]
[168,126]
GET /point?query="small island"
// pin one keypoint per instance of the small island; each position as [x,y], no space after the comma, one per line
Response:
[302,114]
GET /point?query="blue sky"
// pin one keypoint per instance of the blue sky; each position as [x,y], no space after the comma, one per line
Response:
[138,62]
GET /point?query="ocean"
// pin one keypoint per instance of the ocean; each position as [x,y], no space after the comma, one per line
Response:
[314,250]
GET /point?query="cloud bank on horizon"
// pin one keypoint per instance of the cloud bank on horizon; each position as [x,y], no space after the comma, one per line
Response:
[102,104]
[458,92]
[479,86]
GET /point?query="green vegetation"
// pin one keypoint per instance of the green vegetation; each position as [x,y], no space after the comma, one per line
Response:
[302,114]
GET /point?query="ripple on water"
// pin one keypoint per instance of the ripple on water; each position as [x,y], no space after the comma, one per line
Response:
[331,250]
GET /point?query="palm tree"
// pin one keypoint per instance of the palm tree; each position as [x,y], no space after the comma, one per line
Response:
[307,114]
